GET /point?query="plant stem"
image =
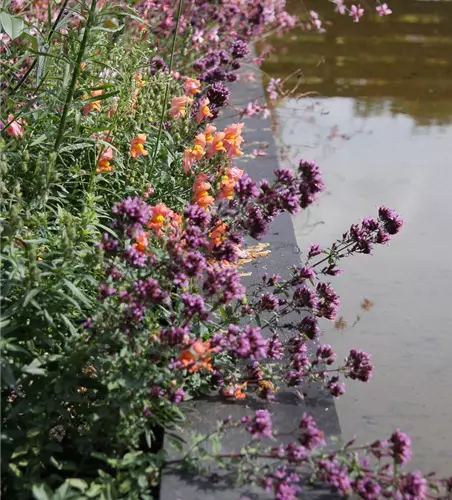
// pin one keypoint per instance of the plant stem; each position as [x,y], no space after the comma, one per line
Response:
[75,74]
[49,37]
[165,98]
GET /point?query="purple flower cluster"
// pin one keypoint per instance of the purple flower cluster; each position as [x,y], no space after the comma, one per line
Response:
[223,282]
[275,348]
[261,425]
[334,387]
[358,366]
[328,303]
[194,305]
[311,436]
[325,354]
[132,212]
[412,486]
[309,327]
[176,335]
[218,94]
[269,302]
[311,182]
[157,64]
[400,447]
[299,361]
[247,343]
[304,296]
[240,49]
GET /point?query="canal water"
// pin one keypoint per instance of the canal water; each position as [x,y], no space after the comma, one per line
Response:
[380,126]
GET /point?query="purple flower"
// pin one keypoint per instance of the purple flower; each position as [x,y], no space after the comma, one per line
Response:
[150,290]
[328,304]
[176,335]
[269,302]
[358,366]
[311,182]
[311,437]
[197,216]
[133,211]
[240,49]
[224,282]
[273,88]
[335,388]
[178,396]
[218,94]
[158,64]
[400,447]
[309,327]
[135,257]
[391,220]
[274,348]
[256,224]
[250,344]
[325,354]
[107,244]
[246,188]
[302,274]
[314,250]
[305,297]
[412,486]
[194,304]
[295,453]
[367,488]
[261,425]
[105,291]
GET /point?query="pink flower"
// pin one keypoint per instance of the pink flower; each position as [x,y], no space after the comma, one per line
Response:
[340,7]
[14,129]
[213,35]
[204,110]
[356,12]
[192,86]
[384,10]
[178,106]
[198,36]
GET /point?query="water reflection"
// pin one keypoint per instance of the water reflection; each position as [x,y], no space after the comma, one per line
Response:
[383,135]
[406,56]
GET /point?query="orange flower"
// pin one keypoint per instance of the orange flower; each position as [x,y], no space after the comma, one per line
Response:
[196,351]
[103,164]
[217,235]
[204,110]
[234,392]
[201,195]
[201,140]
[216,144]
[142,241]
[92,105]
[191,155]
[139,80]
[192,86]
[178,106]
[210,130]
[233,139]
[159,213]
[228,182]
[137,146]
[82,65]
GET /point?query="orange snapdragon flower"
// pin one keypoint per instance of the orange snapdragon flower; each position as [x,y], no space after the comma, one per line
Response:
[178,106]
[103,164]
[159,214]
[191,155]
[196,356]
[192,86]
[216,145]
[142,241]
[210,130]
[139,80]
[204,110]
[137,146]
[227,183]
[218,234]
[233,139]
[92,105]
[201,194]
[201,140]
[234,392]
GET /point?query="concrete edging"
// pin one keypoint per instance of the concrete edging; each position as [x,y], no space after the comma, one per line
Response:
[288,407]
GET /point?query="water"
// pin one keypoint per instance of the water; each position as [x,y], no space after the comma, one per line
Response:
[381,128]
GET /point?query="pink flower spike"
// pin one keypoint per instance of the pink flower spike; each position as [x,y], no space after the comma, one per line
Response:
[356,12]
[384,10]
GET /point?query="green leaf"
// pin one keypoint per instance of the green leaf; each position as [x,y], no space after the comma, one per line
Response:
[8,375]
[79,484]
[40,139]
[34,368]
[13,26]
[42,492]
[80,296]
[30,295]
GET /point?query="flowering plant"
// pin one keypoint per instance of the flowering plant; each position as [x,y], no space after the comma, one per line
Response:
[124,218]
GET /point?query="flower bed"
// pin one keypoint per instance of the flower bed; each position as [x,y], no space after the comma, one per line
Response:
[124,225]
